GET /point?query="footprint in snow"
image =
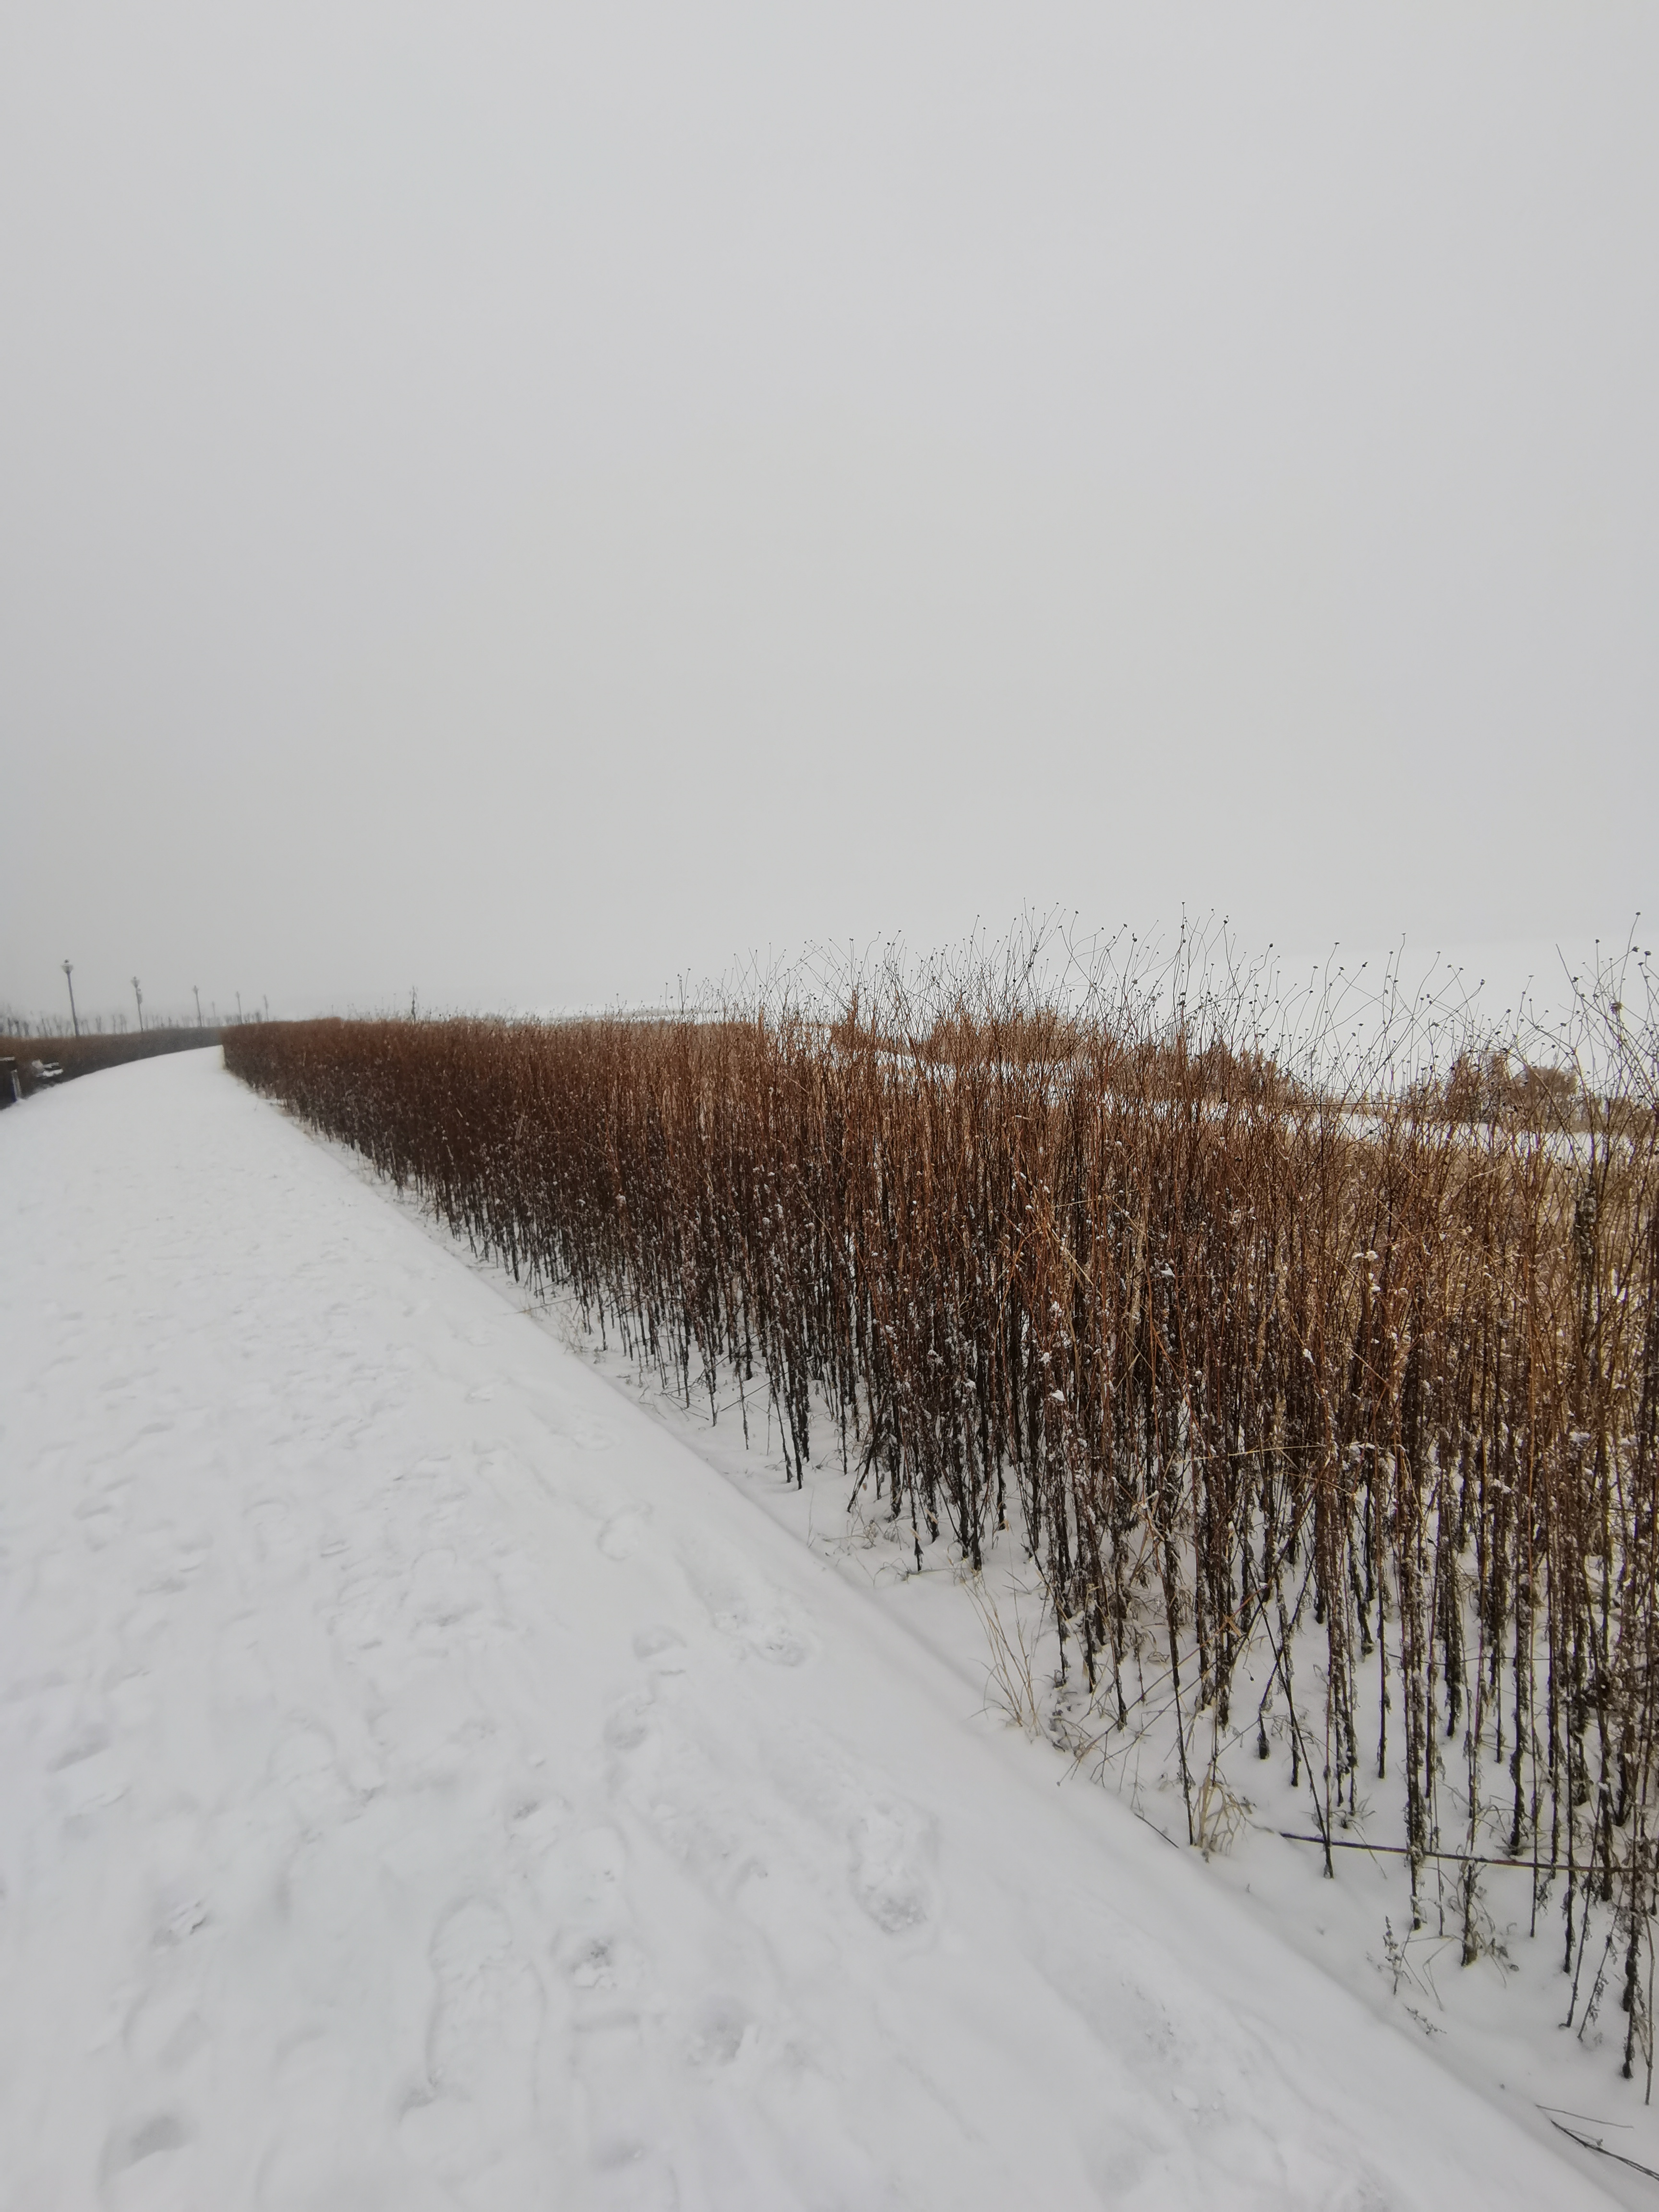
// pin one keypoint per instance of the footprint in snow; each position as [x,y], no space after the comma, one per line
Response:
[86,1744]
[583,1885]
[164,2031]
[892,1879]
[571,1427]
[332,1895]
[534,1822]
[748,1611]
[132,1700]
[176,1554]
[276,1539]
[718,2038]
[629,1723]
[442,1587]
[769,1635]
[47,1694]
[239,1668]
[664,1648]
[305,1772]
[145,2162]
[319,2152]
[487,2014]
[604,1962]
[102,1518]
[620,1537]
[92,1771]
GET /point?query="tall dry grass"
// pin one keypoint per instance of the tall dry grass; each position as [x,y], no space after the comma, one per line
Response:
[1346,1359]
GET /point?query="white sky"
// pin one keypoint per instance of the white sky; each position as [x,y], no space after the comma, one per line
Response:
[524,502]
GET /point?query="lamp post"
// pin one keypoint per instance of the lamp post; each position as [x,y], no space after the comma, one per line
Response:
[197,989]
[139,995]
[69,977]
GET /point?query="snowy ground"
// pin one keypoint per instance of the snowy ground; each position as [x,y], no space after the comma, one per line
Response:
[426,1781]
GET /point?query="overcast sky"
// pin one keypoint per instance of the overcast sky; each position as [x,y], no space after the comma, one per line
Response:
[527,502]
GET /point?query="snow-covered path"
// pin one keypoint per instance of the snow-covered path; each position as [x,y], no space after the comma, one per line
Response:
[424,1782]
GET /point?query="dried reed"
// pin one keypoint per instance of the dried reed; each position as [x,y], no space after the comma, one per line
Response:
[1259,1345]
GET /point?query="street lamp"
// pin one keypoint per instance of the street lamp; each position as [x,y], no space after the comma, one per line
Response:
[69,977]
[139,995]
[197,989]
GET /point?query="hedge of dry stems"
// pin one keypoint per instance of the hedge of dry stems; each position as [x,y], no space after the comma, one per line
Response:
[1246,1348]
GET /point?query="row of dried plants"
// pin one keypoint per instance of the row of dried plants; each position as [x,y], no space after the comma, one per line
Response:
[1341,1355]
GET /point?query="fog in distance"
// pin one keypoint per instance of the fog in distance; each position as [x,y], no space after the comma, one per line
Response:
[524,502]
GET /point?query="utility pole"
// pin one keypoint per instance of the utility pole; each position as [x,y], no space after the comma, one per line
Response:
[197,989]
[239,1009]
[139,995]
[69,977]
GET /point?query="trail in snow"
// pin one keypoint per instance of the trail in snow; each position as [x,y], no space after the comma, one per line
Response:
[424,1782]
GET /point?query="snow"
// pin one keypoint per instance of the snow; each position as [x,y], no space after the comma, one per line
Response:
[426,1780]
